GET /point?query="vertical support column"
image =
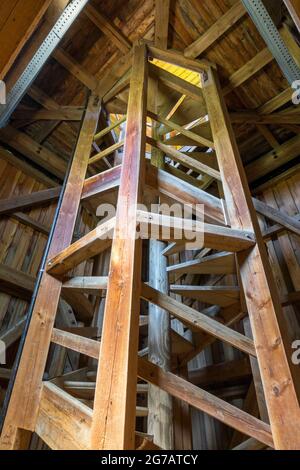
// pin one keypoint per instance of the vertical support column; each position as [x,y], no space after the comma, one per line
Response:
[266,317]
[24,402]
[160,415]
[162,13]
[113,422]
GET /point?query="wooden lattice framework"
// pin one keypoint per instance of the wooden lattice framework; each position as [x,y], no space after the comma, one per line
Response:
[231,229]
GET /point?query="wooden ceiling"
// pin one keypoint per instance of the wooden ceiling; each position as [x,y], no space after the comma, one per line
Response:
[216,30]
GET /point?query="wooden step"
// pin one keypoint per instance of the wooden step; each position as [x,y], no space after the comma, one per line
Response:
[222,372]
[219,263]
[105,153]
[215,295]
[95,242]
[84,390]
[64,422]
[98,185]
[81,344]
[183,192]
[165,183]
[185,160]
[172,229]
[93,285]
[172,248]
[87,346]
[167,228]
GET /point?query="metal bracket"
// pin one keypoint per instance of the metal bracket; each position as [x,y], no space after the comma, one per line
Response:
[265,25]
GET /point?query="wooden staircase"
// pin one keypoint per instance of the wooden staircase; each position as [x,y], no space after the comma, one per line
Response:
[96,408]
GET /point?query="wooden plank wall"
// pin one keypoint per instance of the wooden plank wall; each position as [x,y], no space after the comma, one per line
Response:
[284,254]
[284,250]
[21,247]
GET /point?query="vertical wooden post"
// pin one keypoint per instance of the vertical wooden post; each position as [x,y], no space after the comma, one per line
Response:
[266,317]
[160,417]
[183,438]
[162,13]
[24,402]
[160,414]
[113,423]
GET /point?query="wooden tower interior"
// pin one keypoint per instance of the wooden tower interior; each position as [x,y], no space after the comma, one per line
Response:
[144,117]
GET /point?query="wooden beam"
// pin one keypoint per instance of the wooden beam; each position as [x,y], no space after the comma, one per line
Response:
[28,201]
[109,128]
[215,295]
[118,88]
[23,408]
[189,134]
[16,283]
[108,28]
[13,333]
[162,12]
[86,346]
[227,316]
[204,401]
[165,184]
[197,320]
[16,26]
[117,369]
[181,191]
[21,285]
[219,263]
[64,113]
[280,119]
[275,103]
[93,285]
[274,230]
[273,160]
[219,373]
[30,222]
[266,316]
[184,159]
[104,153]
[223,24]
[250,444]
[93,243]
[113,75]
[49,104]
[212,236]
[254,65]
[27,168]
[289,223]
[98,184]
[63,422]
[34,151]
[51,16]
[75,69]
[267,134]
[160,340]
[176,58]
[180,85]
